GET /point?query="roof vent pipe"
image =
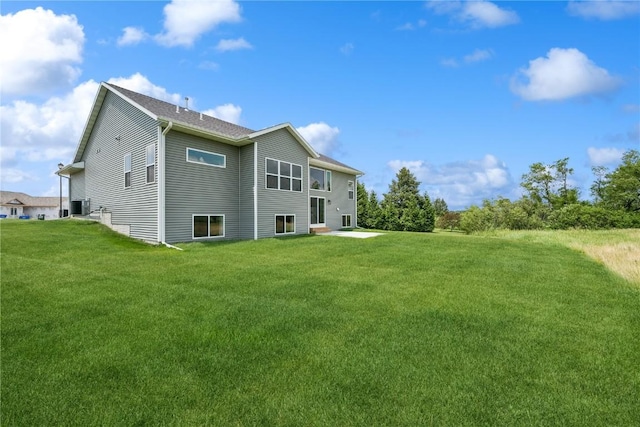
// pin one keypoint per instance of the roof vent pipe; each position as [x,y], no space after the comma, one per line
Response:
[177,108]
[200,116]
[186,103]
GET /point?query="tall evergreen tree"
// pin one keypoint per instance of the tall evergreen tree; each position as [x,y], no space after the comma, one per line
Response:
[374,212]
[403,208]
[363,206]
[440,207]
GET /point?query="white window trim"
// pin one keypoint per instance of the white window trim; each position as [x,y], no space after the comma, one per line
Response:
[327,179]
[224,227]
[342,221]
[223,166]
[353,190]
[147,164]
[278,175]
[275,222]
[127,171]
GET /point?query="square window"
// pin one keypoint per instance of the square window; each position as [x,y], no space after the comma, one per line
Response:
[284,176]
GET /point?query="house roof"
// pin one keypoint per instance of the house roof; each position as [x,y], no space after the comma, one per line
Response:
[177,114]
[12,198]
[193,122]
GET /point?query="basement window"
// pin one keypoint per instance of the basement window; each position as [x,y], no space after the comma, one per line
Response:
[205,226]
[285,224]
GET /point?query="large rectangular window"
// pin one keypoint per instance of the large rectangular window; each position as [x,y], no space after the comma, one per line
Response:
[206,158]
[151,163]
[281,175]
[205,226]
[127,170]
[319,179]
[285,224]
[346,220]
[350,189]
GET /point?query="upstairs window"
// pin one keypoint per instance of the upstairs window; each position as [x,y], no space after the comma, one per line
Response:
[319,179]
[350,189]
[281,175]
[151,163]
[206,158]
[127,170]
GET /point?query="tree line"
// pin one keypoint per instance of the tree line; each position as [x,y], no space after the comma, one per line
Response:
[549,201]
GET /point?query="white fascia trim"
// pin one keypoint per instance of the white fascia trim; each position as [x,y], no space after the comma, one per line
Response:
[333,166]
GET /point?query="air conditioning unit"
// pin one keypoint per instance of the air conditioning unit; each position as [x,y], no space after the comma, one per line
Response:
[80,207]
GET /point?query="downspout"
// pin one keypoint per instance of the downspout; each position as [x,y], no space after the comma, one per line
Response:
[161,183]
[255,190]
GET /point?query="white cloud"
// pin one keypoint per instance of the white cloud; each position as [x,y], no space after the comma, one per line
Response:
[226,45]
[478,55]
[46,132]
[322,137]
[562,74]
[408,26]
[449,62]
[40,51]
[347,48]
[141,84]
[604,156]
[462,184]
[186,20]
[209,65]
[475,14]
[13,176]
[605,10]
[631,108]
[227,112]
[132,36]
[33,134]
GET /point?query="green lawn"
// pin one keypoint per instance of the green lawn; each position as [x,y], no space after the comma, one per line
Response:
[401,329]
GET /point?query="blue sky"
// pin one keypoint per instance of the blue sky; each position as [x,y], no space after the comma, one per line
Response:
[465,94]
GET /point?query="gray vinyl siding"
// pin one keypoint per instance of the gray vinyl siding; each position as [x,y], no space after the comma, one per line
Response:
[281,145]
[121,128]
[246,192]
[340,203]
[192,188]
[76,186]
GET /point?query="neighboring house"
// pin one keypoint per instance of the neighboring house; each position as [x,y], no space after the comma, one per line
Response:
[162,173]
[16,205]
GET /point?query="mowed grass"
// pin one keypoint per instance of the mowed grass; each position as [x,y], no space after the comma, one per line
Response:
[401,329]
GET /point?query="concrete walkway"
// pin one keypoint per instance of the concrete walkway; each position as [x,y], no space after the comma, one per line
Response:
[355,234]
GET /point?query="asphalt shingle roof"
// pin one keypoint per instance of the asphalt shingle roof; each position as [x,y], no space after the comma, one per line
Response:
[179,114]
[7,197]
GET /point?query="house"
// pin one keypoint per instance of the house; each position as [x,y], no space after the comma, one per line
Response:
[163,173]
[16,205]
